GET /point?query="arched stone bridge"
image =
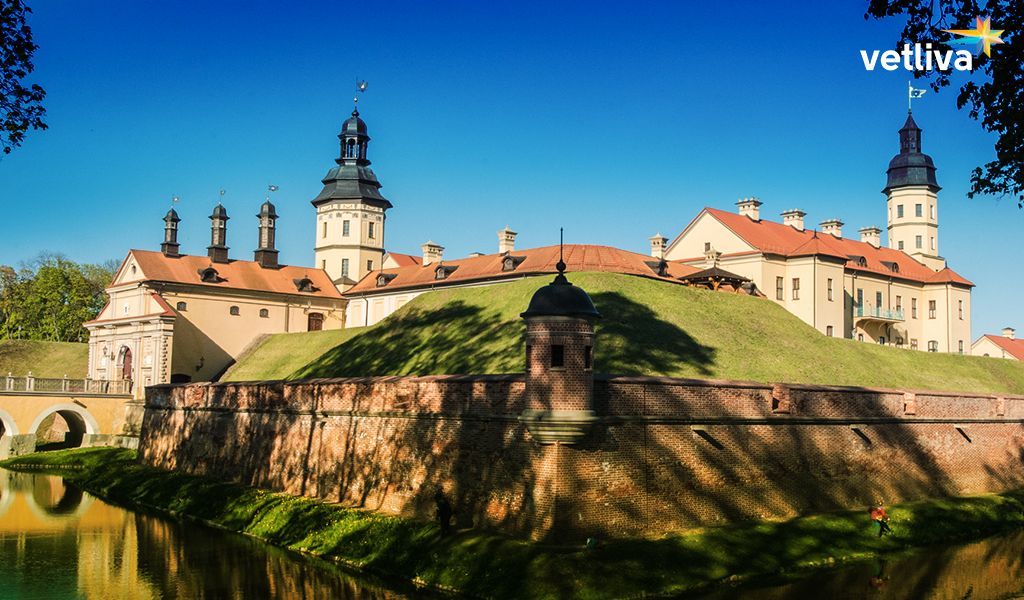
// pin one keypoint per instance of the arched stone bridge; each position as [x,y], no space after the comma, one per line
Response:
[66,413]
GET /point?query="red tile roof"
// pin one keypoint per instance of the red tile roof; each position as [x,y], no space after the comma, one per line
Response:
[1013,347]
[236,274]
[404,260]
[534,261]
[785,240]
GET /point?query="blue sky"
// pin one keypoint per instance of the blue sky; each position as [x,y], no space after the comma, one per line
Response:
[612,120]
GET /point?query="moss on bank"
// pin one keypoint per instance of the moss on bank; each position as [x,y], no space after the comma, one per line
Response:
[492,565]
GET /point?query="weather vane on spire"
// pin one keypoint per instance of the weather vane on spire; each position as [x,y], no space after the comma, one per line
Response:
[561,257]
[271,188]
[360,88]
[913,94]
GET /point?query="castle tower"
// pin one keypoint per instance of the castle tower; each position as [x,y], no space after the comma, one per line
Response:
[912,194]
[350,212]
[170,245]
[218,248]
[559,362]
[266,254]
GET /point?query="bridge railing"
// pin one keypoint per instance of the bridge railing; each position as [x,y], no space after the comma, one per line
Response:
[63,385]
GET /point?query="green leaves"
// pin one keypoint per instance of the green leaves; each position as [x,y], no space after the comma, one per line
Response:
[21,106]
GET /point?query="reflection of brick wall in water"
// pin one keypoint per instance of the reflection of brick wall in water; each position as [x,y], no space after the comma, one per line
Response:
[665,453]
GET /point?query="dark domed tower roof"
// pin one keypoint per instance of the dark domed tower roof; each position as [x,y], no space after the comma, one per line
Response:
[352,179]
[267,210]
[219,212]
[911,167]
[354,125]
[172,216]
[561,299]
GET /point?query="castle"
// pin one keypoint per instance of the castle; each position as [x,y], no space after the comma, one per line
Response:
[175,317]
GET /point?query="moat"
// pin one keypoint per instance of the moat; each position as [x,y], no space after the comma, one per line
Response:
[59,542]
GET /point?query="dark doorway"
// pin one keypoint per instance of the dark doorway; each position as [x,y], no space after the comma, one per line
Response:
[125,361]
[316,322]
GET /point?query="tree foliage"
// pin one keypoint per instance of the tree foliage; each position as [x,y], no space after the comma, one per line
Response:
[51,297]
[994,95]
[21,105]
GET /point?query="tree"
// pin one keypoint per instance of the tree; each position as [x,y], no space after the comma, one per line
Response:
[995,98]
[21,106]
[51,297]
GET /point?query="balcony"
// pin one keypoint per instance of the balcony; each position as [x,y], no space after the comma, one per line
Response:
[867,313]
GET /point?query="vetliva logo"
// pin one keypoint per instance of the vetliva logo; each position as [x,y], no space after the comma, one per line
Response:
[921,57]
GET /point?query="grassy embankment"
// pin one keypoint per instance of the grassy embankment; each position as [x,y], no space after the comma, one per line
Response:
[44,359]
[487,564]
[649,328]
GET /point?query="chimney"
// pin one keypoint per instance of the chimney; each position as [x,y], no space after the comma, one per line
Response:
[749,207]
[432,253]
[711,258]
[218,249]
[832,227]
[658,245]
[872,235]
[266,254]
[170,244]
[794,217]
[506,240]
[1009,332]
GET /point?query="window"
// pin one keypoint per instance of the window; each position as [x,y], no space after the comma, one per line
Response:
[778,288]
[369,230]
[323,265]
[828,331]
[369,265]
[899,244]
[860,297]
[899,302]
[344,267]
[264,313]
[931,210]
[707,246]
[557,356]
[860,337]
[932,241]
[181,306]
[588,356]
[899,342]
[917,241]
[830,289]
[960,308]
[881,340]
[323,233]
[931,309]
[933,346]
[345,227]
[918,210]
[234,311]
[878,300]
[126,309]
[961,345]
[913,344]
[796,288]
[913,308]
[899,211]
[314,322]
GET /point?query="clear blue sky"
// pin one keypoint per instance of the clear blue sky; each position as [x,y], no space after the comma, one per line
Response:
[614,120]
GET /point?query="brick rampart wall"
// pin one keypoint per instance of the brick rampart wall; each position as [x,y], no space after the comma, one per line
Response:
[665,453]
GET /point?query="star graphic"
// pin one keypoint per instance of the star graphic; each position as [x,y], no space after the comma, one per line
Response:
[983,36]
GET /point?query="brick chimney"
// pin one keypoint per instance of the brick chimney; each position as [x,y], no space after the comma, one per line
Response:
[749,207]
[506,240]
[658,245]
[872,235]
[218,248]
[170,244]
[266,254]
[711,258]
[432,253]
[794,217]
[832,227]
[1009,332]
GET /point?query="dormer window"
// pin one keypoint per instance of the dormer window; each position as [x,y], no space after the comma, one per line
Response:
[443,271]
[509,263]
[860,261]
[660,267]
[385,278]
[209,275]
[305,285]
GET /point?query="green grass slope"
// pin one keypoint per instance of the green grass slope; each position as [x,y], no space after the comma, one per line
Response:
[649,328]
[44,359]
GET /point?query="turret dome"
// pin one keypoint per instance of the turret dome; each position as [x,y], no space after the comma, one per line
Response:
[561,299]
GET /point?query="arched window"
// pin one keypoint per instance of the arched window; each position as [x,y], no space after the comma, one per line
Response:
[234,311]
[182,306]
[264,313]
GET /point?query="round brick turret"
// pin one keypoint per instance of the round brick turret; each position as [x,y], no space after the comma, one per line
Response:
[559,362]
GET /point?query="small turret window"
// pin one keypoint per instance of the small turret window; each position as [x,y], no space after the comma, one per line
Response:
[588,357]
[182,306]
[264,313]
[234,311]
[557,356]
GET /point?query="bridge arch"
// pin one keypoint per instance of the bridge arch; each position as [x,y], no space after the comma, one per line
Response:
[79,421]
[7,424]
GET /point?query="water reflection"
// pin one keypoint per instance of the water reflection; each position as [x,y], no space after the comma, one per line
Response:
[990,568]
[57,542]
